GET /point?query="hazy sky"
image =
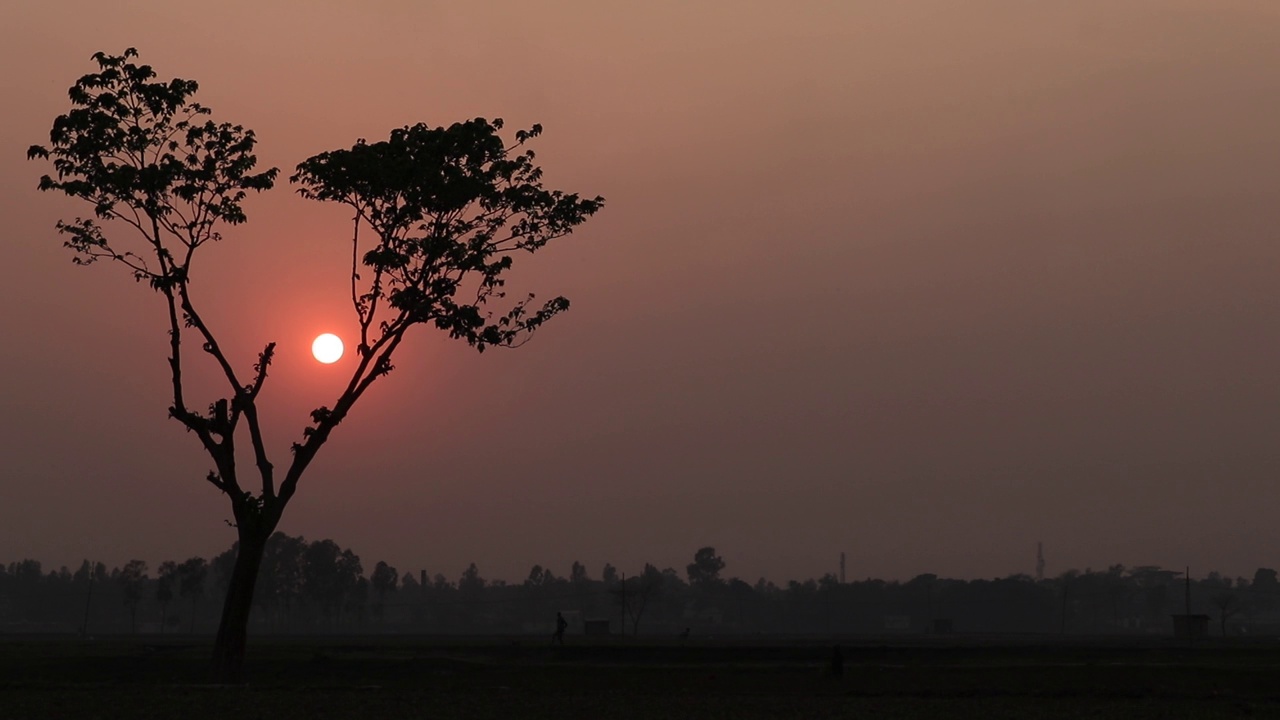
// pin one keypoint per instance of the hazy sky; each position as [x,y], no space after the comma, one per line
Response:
[924,282]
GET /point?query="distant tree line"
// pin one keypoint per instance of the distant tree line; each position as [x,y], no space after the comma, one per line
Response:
[320,587]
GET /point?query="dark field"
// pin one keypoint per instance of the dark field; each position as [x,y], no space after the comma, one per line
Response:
[298,677]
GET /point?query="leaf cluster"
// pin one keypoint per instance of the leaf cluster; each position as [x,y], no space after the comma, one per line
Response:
[449,207]
[137,150]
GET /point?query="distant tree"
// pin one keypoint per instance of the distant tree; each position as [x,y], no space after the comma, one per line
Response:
[330,574]
[91,572]
[1118,590]
[383,581]
[354,586]
[27,572]
[1228,604]
[222,567]
[165,582]
[609,575]
[192,574]
[548,578]
[640,591]
[89,575]
[829,586]
[280,576]
[470,583]
[535,578]
[742,595]
[470,591]
[705,568]
[356,601]
[1153,587]
[1264,591]
[582,587]
[449,208]
[1265,579]
[410,585]
[132,579]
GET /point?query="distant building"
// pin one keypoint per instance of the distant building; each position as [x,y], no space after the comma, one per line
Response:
[1190,627]
[897,623]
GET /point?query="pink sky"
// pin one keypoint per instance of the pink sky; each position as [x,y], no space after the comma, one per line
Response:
[922,282]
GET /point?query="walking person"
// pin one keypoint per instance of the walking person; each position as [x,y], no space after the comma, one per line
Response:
[561,626]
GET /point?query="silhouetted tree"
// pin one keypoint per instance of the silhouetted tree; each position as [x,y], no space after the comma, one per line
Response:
[57,600]
[132,579]
[470,592]
[448,207]
[90,572]
[1264,591]
[705,568]
[88,575]
[741,595]
[1224,596]
[383,581]
[280,576]
[191,576]
[165,582]
[536,576]
[640,592]
[1118,591]
[410,584]
[330,574]
[356,600]
[1228,604]
[470,583]
[582,586]
[26,572]
[222,567]
[1153,588]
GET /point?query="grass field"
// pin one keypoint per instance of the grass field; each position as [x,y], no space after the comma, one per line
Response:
[410,677]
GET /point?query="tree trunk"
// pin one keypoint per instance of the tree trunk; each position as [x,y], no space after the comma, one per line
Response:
[228,649]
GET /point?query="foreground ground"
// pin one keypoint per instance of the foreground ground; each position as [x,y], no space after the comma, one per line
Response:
[506,678]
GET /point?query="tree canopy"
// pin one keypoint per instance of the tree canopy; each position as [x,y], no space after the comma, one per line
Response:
[448,207]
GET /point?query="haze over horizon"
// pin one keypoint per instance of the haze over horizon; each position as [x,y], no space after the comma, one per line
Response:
[922,283]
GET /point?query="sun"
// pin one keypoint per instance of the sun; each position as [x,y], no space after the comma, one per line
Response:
[327,348]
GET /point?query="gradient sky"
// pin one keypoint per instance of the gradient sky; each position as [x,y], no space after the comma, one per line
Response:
[924,282]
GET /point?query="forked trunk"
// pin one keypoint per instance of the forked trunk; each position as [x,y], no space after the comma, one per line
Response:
[228,649]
